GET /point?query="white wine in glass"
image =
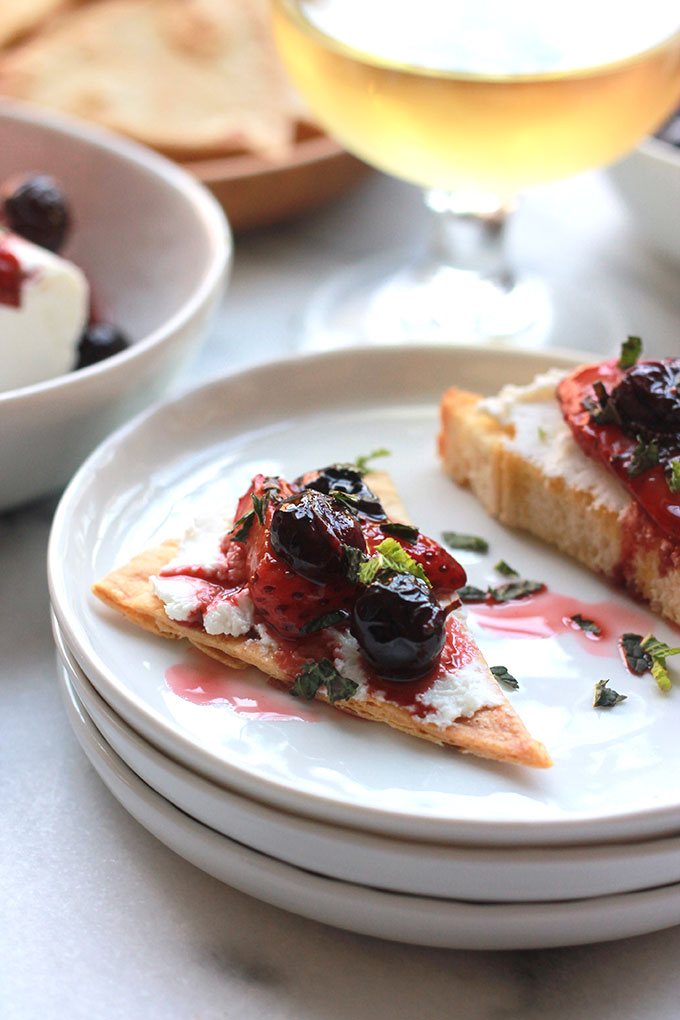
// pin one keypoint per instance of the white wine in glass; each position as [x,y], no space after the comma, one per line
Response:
[475,101]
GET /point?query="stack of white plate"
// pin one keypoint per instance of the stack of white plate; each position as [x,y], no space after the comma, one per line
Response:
[329,816]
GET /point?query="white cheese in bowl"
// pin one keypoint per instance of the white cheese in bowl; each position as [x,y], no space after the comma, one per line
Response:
[44,307]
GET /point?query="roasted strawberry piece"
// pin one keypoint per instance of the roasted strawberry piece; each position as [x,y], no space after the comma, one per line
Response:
[442,570]
[288,602]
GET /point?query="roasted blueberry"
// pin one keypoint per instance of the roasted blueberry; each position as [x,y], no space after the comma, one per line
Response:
[648,396]
[346,479]
[99,341]
[309,531]
[36,208]
[399,626]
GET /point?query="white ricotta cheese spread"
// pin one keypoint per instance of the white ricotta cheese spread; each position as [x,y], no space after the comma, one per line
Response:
[542,436]
[454,696]
[459,695]
[178,595]
[233,615]
[200,543]
[181,595]
[39,338]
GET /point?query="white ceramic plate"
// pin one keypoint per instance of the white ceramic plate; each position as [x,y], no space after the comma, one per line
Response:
[615,772]
[500,874]
[432,922]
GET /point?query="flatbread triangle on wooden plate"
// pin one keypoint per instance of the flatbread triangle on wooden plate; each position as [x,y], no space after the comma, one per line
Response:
[191,78]
[492,731]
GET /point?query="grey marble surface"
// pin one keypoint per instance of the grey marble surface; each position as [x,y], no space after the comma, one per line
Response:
[97,918]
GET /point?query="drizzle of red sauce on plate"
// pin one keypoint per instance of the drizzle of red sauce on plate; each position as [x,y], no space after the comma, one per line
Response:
[548,614]
[205,682]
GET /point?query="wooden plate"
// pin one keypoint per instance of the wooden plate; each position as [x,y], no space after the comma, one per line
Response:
[255,193]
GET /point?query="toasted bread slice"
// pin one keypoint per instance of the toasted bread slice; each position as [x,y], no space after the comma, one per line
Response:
[494,731]
[529,473]
[192,78]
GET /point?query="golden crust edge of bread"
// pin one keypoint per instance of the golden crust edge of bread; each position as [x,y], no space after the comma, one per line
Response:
[516,492]
[494,732]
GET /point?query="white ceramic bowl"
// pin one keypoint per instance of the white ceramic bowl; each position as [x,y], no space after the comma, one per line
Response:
[156,249]
[649,181]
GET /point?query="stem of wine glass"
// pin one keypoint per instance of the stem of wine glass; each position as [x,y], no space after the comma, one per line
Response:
[460,289]
[469,234]
[464,289]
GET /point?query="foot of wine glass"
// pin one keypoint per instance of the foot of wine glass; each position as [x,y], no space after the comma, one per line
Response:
[461,289]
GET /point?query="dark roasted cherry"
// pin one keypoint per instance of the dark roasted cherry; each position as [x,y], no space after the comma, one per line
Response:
[400,627]
[345,478]
[308,532]
[36,208]
[648,396]
[99,341]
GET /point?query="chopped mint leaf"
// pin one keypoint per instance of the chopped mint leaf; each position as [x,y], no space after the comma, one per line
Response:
[260,504]
[505,569]
[631,349]
[340,688]
[637,659]
[660,674]
[659,652]
[326,620]
[243,526]
[361,463]
[606,697]
[471,543]
[588,625]
[515,590]
[542,434]
[353,559]
[673,479]
[504,677]
[390,555]
[468,593]
[346,499]
[645,456]
[308,680]
[314,675]
[603,411]
[408,532]
[369,570]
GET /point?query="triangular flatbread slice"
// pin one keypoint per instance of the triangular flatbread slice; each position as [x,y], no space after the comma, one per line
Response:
[192,78]
[443,710]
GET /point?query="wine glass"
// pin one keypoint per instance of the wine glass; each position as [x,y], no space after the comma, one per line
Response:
[475,101]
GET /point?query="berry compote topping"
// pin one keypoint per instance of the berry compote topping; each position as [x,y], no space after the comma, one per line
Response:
[648,398]
[293,558]
[309,531]
[442,570]
[346,479]
[11,276]
[399,626]
[36,208]
[99,341]
[290,603]
[629,419]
